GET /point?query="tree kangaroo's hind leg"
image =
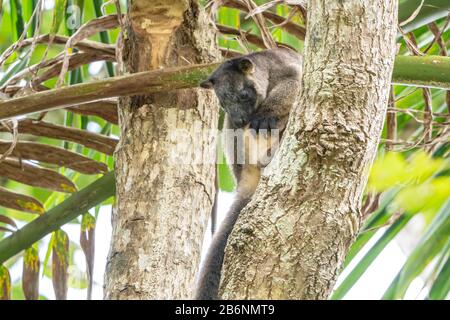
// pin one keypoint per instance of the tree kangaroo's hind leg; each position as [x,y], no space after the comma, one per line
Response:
[247,177]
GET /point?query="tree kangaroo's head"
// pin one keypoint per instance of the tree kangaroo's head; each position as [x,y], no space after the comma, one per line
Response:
[235,86]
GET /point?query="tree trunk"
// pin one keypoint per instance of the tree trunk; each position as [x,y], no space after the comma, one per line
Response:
[163,202]
[291,239]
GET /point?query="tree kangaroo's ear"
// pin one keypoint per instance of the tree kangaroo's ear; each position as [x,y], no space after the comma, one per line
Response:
[207,84]
[246,66]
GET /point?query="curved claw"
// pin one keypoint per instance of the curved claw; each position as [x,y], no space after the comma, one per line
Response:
[264,123]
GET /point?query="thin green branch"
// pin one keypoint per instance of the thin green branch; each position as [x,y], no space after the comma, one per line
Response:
[426,71]
[79,203]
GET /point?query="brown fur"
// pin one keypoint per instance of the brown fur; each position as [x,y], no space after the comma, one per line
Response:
[257,92]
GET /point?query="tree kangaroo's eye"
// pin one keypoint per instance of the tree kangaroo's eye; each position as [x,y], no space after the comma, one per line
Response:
[244,95]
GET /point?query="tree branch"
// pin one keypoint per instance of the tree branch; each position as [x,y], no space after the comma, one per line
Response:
[133,84]
[422,71]
[434,72]
[79,203]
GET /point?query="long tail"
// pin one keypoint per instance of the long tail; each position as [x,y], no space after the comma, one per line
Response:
[209,279]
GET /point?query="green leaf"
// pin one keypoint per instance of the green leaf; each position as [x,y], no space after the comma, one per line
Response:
[87,242]
[430,11]
[426,197]
[28,8]
[370,256]
[388,171]
[226,179]
[376,219]
[48,253]
[428,248]
[422,166]
[16,18]
[58,15]
[16,67]
[104,36]
[441,285]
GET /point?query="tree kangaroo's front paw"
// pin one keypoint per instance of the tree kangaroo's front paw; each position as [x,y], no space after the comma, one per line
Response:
[264,123]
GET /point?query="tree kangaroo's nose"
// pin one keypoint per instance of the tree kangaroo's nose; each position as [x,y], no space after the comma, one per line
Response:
[239,122]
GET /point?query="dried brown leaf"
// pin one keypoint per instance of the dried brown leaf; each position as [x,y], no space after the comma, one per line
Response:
[8,220]
[263,7]
[85,45]
[20,202]
[74,61]
[292,28]
[30,273]
[93,52]
[4,229]
[85,31]
[93,27]
[87,243]
[438,36]
[104,109]
[250,37]
[413,15]
[260,21]
[228,53]
[35,176]
[31,70]
[13,129]
[60,264]
[88,139]
[54,155]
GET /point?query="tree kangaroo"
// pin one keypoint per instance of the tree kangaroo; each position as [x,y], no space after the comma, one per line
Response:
[257,92]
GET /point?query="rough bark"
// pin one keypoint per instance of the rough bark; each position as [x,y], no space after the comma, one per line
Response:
[162,205]
[291,239]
